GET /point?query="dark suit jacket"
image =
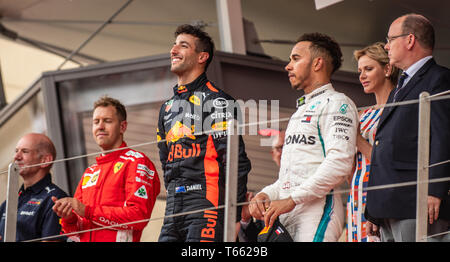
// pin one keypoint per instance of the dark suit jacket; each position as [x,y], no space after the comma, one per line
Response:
[394,153]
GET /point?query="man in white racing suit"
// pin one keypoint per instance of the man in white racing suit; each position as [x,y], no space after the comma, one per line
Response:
[318,151]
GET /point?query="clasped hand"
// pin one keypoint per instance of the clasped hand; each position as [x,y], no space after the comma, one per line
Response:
[262,208]
[63,207]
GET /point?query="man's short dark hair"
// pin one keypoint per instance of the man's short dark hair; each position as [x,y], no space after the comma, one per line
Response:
[326,46]
[421,28]
[204,42]
[105,101]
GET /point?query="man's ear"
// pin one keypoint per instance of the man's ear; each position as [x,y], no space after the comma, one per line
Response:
[318,63]
[203,57]
[123,126]
[46,159]
[412,40]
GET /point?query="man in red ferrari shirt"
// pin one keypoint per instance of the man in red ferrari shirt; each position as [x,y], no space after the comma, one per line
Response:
[121,187]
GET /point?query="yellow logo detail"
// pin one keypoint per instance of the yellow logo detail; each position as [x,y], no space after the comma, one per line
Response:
[264,231]
[117,167]
[194,100]
[219,126]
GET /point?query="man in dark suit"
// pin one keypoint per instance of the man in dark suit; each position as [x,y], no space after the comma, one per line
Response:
[410,43]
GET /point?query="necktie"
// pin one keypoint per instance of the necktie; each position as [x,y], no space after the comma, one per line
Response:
[403,76]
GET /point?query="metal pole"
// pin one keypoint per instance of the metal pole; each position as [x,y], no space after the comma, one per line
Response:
[2,92]
[231,26]
[231,182]
[74,52]
[11,203]
[422,167]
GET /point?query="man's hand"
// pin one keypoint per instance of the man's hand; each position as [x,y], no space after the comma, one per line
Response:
[245,214]
[277,208]
[372,229]
[258,205]
[433,208]
[63,207]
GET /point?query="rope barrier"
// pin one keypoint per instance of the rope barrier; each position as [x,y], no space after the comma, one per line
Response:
[435,97]
[335,192]
[413,101]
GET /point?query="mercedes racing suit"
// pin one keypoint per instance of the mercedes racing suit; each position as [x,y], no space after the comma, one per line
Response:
[192,135]
[120,188]
[318,153]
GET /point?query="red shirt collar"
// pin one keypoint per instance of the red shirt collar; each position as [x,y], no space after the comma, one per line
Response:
[112,155]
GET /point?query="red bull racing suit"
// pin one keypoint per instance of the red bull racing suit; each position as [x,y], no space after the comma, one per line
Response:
[192,142]
[120,188]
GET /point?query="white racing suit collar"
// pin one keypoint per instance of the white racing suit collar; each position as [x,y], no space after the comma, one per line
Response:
[316,92]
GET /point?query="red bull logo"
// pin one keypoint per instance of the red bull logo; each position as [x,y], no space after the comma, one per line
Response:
[179,131]
[178,152]
[208,233]
[182,89]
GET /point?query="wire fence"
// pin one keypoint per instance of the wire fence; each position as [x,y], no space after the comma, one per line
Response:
[436,97]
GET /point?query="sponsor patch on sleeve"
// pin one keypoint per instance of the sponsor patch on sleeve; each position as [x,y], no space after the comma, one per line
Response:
[141,192]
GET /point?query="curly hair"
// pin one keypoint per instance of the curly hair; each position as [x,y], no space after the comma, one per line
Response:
[204,42]
[326,46]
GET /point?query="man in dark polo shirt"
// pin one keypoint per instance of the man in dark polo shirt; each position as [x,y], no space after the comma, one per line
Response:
[35,217]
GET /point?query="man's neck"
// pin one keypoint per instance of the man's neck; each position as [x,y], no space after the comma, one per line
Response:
[414,58]
[189,77]
[31,180]
[314,86]
[108,150]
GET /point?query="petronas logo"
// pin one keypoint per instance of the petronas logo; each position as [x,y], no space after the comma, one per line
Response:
[343,109]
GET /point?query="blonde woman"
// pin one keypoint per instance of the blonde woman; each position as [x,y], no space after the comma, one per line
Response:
[379,78]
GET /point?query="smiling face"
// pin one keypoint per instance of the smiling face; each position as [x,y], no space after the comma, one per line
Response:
[107,129]
[371,74]
[183,55]
[300,66]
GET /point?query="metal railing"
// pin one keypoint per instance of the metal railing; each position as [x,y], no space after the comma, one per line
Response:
[230,205]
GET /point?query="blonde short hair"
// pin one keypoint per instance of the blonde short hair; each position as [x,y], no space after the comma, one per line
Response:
[377,52]
[105,101]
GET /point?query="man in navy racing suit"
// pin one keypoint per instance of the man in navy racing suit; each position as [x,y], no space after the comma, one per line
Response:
[192,135]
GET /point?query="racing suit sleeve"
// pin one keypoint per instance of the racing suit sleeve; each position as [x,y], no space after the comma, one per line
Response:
[160,137]
[51,223]
[141,188]
[75,223]
[272,190]
[337,129]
